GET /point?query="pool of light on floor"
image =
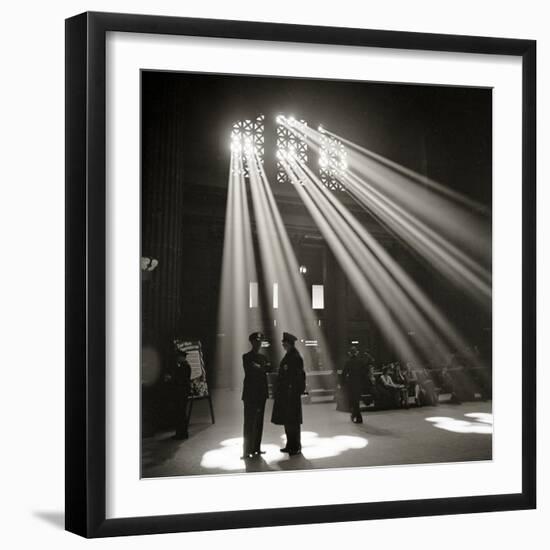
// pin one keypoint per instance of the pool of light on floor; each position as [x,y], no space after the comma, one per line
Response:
[481,423]
[227,455]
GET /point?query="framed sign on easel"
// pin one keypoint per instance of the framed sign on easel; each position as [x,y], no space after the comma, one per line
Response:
[199,385]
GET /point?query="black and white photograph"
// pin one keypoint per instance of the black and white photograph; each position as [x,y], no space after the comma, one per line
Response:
[316,274]
[274,275]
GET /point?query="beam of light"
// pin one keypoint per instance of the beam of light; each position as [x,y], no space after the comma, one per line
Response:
[342,243]
[227,455]
[384,287]
[294,313]
[238,270]
[443,331]
[460,223]
[290,141]
[411,174]
[449,231]
[460,269]
[482,424]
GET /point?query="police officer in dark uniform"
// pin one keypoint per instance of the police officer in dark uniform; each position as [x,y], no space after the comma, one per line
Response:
[254,396]
[354,374]
[181,380]
[291,383]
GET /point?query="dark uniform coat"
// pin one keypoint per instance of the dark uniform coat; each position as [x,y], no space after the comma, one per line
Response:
[255,378]
[181,380]
[354,376]
[254,396]
[291,383]
[181,376]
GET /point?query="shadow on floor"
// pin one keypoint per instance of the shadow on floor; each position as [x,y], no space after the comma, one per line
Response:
[365,428]
[257,464]
[57,519]
[165,447]
[296,462]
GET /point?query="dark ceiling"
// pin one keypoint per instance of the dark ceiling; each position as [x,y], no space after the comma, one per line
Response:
[441,132]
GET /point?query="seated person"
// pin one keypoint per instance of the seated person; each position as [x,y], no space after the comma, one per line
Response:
[371,386]
[428,391]
[394,394]
[399,377]
[407,377]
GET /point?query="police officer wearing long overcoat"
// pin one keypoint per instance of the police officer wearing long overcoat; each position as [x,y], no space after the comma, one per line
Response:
[254,396]
[291,383]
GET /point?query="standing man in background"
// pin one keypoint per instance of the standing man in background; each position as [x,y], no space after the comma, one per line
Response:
[354,375]
[291,384]
[254,396]
[181,379]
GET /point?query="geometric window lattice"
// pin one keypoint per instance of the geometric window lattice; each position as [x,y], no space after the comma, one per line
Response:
[332,162]
[247,136]
[291,144]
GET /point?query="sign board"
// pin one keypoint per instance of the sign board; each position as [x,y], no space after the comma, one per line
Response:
[199,386]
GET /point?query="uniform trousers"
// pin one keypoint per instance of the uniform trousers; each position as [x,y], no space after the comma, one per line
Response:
[253,426]
[354,398]
[181,415]
[293,437]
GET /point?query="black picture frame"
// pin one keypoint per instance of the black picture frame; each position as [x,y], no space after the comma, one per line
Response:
[86,284]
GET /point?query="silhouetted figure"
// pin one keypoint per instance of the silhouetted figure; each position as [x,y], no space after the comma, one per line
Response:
[354,374]
[181,380]
[291,384]
[254,396]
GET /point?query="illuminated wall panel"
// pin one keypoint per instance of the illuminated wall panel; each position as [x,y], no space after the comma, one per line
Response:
[317,297]
[253,295]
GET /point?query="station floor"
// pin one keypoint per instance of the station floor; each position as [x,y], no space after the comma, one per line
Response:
[445,433]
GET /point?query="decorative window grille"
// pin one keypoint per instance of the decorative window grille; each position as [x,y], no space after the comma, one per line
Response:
[291,146]
[247,136]
[332,162]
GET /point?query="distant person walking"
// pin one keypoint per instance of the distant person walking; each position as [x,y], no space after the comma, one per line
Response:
[354,377]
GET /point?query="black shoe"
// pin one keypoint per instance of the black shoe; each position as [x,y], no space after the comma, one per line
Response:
[285,450]
[294,453]
[247,456]
[259,452]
